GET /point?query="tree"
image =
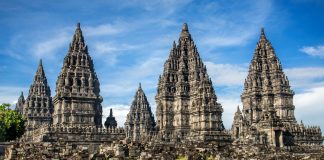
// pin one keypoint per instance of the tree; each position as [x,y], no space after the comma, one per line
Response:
[12,124]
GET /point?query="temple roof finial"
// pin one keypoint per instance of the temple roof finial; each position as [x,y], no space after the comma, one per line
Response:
[140,86]
[262,35]
[185,27]
[185,31]
[111,113]
[40,62]
[40,69]
[78,43]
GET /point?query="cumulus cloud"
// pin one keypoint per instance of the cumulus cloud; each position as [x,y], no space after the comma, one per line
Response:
[306,77]
[310,106]
[316,51]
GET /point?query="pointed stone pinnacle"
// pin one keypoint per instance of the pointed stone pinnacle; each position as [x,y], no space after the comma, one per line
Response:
[111,121]
[185,27]
[262,35]
[40,69]
[238,109]
[78,25]
[185,31]
[139,116]
[111,113]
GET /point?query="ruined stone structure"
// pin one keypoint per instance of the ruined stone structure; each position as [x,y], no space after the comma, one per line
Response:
[77,100]
[37,107]
[77,115]
[268,111]
[111,121]
[189,118]
[20,104]
[140,122]
[187,106]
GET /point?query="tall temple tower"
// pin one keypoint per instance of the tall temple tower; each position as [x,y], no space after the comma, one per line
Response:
[187,105]
[266,85]
[77,100]
[38,107]
[140,122]
[268,109]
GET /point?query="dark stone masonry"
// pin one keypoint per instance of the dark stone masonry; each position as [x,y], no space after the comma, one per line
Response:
[188,117]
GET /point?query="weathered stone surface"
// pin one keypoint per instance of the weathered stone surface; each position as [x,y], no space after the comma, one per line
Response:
[77,100]
[77,117]
[38,106]
[189,118]
[268,115]
[140,124]
[187,106]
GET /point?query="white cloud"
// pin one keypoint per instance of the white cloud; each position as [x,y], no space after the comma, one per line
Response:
[10,94]
[103,29]
[112,48]
[120,88]
[119,112]
[314,50]
[229,107]
[307,77]
[48,48]
[310,106]
[226,74]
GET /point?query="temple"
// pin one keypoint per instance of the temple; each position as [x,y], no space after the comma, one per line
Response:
[38,106]
[111,121]
[187,107]
[75,115]
[267,116]
[77,100]
[140,124]
[188,115]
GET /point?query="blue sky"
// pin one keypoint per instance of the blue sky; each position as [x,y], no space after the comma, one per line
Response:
[130,40]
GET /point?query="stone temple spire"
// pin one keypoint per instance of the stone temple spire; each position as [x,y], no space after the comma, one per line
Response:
[78,43]
[186,101]
[140,121]
[237,124]
[185,31]
[268,116]
[77,100]
[111,121]
[38,107]
[266,85]
[20,104]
